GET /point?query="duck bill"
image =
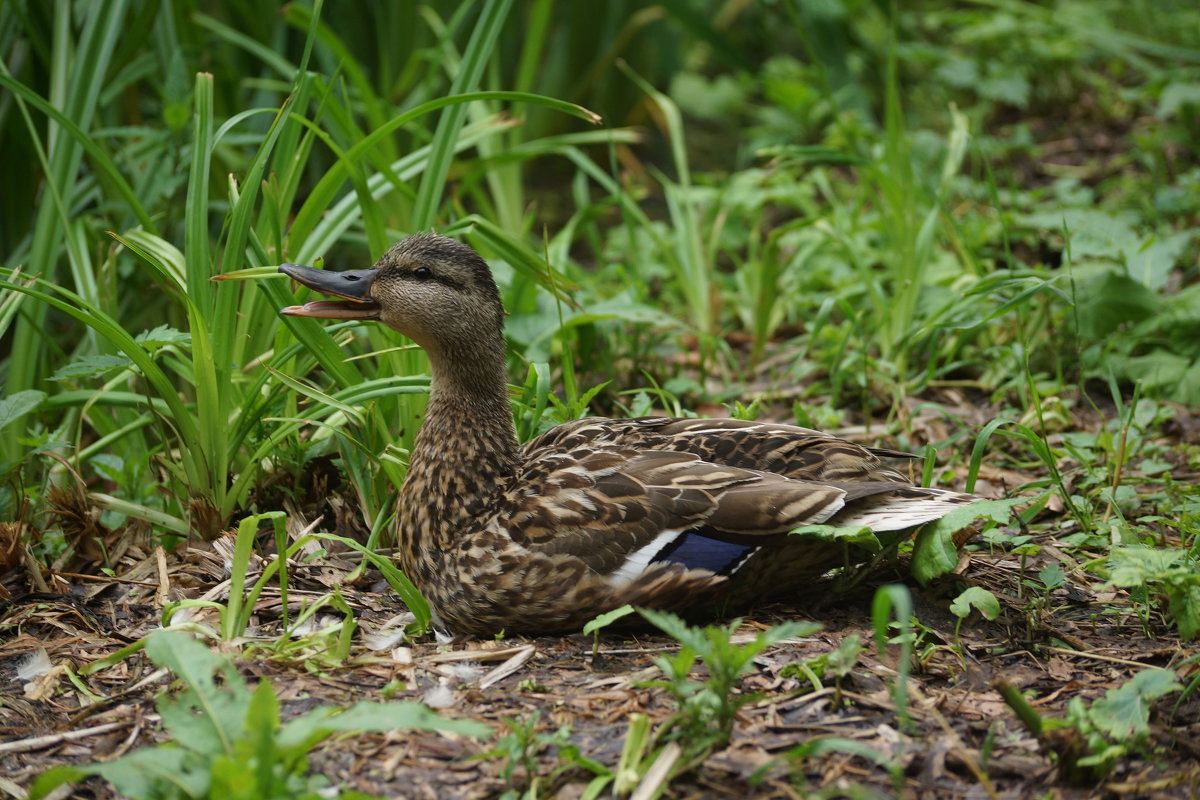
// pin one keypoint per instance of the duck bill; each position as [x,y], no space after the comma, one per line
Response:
[353,286]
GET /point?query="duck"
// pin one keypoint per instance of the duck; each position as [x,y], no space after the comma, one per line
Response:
[689,515]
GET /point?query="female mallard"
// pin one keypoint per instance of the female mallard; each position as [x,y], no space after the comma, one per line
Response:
[596,513]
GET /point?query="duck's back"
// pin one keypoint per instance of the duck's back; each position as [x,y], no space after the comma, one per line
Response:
[632,498]
[788,450]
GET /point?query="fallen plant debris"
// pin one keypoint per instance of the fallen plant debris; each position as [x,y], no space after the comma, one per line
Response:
[814,713]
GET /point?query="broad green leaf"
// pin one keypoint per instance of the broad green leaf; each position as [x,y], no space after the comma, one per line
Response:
[1151,263]
[978,598]
[152,772]
[606,619]
[859,535]
[1124,712]
[1112,301]
[1184,602]
[88,366]
[1176,95]
[1134,565]
[934,553]
[1092,232]
[18,405]
[209,718]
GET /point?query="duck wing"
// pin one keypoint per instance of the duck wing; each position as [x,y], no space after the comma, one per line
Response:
[629,514]
[787,450]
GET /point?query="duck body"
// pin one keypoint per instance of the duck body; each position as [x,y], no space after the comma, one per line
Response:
[597,513]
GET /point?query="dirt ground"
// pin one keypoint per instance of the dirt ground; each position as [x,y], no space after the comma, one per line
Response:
[962,740]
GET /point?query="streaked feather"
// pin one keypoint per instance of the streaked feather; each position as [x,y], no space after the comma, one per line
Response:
[596,513]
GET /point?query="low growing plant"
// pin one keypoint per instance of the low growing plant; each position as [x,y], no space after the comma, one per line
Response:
[1090,738]
[706,709]
[228,741]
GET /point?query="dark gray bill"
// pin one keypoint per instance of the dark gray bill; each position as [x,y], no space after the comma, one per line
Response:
[353,285]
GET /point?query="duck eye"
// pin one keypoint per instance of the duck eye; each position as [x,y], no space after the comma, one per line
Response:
[422,272]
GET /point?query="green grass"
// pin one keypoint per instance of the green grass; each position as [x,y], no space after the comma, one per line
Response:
[849,212]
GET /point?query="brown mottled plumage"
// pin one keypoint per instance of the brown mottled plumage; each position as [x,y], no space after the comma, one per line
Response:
[596,513]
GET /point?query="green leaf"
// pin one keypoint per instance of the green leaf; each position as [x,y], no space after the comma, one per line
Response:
[1124,712]
[52,778]
[934,553]
[859,535]
[18,405]
[156,338]
[1092,232]
[834,744]
[370,716]
[404,587]
[1151,263]
[978,598]
[88,366]
[1135,565]
[153,772]
[1051,576]
[606,619]
[842,661]
[1184,602]
[1112,301]
[676,628]
[1176,95]
[208,718]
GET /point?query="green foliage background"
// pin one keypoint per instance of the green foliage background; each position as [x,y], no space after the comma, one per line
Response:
[837,204]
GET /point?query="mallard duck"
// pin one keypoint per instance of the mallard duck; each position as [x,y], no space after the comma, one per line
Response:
[596,513]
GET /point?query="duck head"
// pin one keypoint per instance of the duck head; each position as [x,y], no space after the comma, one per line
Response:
[434,290]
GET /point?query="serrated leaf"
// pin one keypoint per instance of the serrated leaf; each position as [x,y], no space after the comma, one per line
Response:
[1051,576]
[88,366]
[1124,712]
[1134,565]
[978,598]
[161,336]
[18,405]
[1183,598]
[676,628]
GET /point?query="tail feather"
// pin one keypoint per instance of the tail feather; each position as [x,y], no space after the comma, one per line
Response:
[898,511]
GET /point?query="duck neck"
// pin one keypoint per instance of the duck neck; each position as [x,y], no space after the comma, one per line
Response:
[464,453]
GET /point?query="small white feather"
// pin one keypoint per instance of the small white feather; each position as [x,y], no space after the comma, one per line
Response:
[33,664]
[439,696]
[464,671]
[384,639]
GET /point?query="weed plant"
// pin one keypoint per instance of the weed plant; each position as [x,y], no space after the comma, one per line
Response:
[834,207]
[229,741]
